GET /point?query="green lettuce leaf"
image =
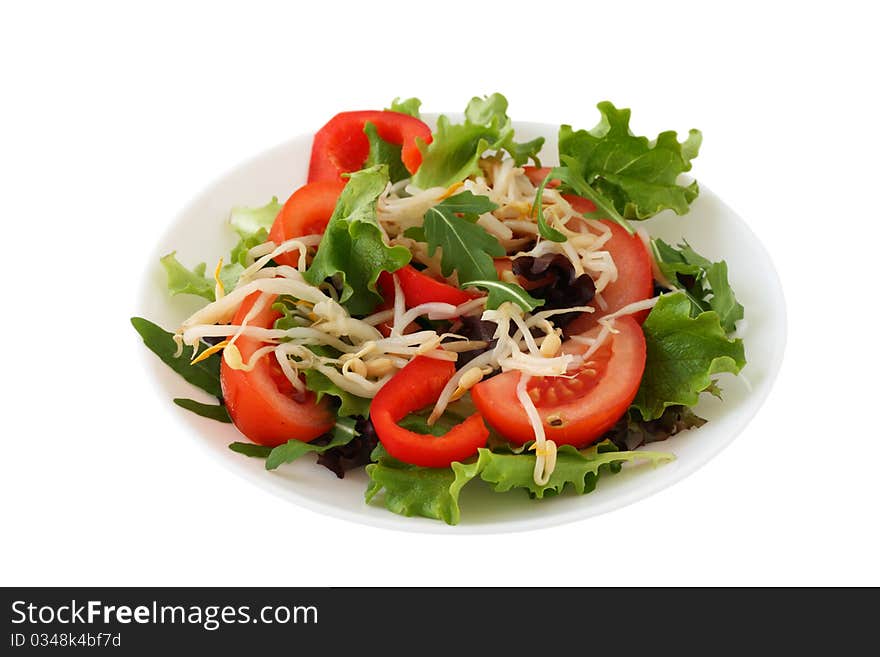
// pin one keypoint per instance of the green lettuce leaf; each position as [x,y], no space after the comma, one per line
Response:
[578,469]
[342,434]
[353,248]
[638,176]
[468,248]
[291,315]
[499,292]
[252,226]
[383,152]
[434,492]
[251,222]
[187,281]
[205,374]
[683,354]
[211,411]
[409,106]
[413,491]
[455,151]
[705,282]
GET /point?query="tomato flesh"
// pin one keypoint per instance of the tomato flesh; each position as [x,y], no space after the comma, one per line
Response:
[342,147]
[635,279]
[306,212]
[417,385]
[575,411]
[261,402]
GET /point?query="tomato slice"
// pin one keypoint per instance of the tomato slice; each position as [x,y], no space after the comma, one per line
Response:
[635,280]
[261,401]
[417,385]
[537,175]
[342,147]
[306,212]
[574,411]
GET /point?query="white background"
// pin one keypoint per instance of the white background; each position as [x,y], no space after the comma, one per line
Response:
[114,116]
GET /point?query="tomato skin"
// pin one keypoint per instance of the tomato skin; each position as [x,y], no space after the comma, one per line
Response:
[635,279]
[306,212]
[259,402]
[342,147]
[417,385]
[586,415]
[537,175]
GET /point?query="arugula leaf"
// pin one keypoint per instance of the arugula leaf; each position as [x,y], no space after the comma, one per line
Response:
[636,175]
[383,152]
[342,434]
[455,151]
[414,491]
[544,229]
[409,106]
[467,247]
[579,469]
[205,374]
[353,246]
[705,282]
[211,411]
[499,292]
[250,449]
[604,208]
[683,354]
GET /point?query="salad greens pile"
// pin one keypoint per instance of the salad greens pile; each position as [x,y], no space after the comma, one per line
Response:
[627,177]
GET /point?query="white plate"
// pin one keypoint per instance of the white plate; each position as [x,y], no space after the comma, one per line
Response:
[199,234]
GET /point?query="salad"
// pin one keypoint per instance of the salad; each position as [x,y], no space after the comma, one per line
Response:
[438,307]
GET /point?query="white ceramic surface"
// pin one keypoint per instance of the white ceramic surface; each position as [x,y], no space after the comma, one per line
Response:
[199,233]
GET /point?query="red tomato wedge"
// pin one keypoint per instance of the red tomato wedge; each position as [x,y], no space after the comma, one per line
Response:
[579,203]
[635,280]
[537,175]
[306,212]
[574,411]
[342,147]
[261,402]
[417,385]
